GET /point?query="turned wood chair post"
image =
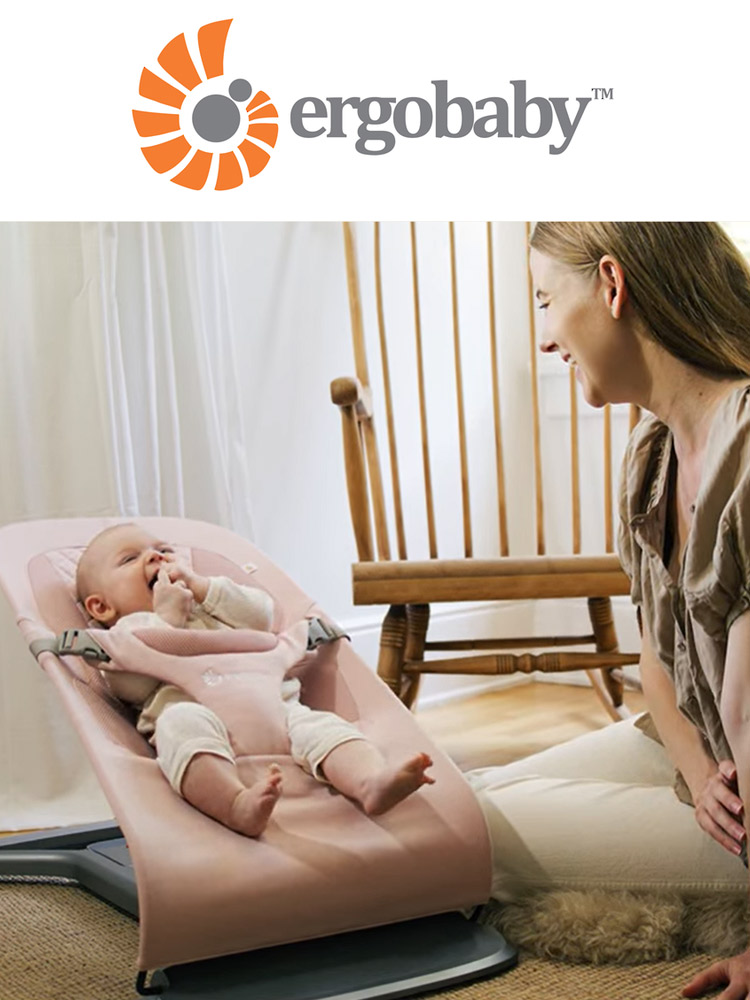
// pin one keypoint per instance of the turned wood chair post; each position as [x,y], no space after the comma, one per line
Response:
[363,407]
[417,622]
[363,467]
[605,637]
[391,656]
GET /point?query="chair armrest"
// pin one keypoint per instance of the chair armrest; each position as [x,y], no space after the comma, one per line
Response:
[348,391]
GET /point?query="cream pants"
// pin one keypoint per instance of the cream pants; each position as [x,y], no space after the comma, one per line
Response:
[598,812]
[187,728]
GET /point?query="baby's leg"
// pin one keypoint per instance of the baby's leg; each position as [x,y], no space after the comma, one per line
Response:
[213,785]
[334,750]
[359,770]
[196,756]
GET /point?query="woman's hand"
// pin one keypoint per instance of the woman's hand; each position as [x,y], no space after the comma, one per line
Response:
[173,601]
[178,571]
[718,807]
[734,973]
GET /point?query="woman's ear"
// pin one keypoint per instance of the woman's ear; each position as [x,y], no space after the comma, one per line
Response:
[98,608]
[613,284]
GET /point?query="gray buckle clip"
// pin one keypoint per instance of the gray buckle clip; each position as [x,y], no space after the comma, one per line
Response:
[319,633]
[77,642]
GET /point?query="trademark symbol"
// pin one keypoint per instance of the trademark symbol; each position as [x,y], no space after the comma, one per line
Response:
[603,93]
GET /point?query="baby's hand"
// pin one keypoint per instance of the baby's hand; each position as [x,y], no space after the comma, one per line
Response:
[172,601]
[179,572]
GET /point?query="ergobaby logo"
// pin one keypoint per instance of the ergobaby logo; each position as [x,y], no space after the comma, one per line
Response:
[209,130]
[381,119]
[204,129]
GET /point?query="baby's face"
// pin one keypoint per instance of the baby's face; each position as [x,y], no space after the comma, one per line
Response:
[124,564]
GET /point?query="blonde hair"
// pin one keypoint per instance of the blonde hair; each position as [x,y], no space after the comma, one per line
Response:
[687,281]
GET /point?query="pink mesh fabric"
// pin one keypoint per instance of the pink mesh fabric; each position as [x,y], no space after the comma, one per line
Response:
[237,674]
[321,867]
[54,591]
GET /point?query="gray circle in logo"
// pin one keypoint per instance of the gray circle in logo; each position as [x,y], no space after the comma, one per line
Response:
[240,90]
[216,118]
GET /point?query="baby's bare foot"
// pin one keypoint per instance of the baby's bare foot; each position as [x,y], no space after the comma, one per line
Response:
[394,784]
[252,807]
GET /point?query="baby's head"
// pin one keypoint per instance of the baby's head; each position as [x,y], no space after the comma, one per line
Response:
[117,572]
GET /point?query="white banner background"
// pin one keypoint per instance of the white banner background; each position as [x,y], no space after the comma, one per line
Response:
[672,143]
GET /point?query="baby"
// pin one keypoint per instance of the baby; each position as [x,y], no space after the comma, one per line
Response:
[127,579]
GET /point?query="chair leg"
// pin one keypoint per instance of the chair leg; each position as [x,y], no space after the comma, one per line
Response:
[392,642]
[606,684]
[417,620]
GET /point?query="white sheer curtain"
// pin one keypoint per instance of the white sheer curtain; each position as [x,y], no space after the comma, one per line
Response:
[118,395]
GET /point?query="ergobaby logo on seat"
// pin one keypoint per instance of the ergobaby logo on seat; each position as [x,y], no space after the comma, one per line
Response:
[201,128]
[441,115]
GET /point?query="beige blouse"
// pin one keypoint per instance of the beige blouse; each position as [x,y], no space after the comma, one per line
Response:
[688,621]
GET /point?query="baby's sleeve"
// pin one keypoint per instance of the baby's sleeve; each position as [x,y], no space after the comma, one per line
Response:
[238,606]
[133,688]
[141,619]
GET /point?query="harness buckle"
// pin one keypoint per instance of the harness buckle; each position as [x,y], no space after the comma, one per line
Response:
[320,632]
[78,642]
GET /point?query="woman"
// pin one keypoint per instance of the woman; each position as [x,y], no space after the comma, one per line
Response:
[656,314]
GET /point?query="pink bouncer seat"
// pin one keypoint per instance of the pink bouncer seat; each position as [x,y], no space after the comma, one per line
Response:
[322,867]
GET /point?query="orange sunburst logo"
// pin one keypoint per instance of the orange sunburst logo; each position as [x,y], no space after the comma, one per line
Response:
[218,132]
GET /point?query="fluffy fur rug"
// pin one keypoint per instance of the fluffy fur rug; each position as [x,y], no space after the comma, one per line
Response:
[622,928]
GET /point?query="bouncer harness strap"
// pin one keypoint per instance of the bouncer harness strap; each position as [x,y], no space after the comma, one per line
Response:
[79,642]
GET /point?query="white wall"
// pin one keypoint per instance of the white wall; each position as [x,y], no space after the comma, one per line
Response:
[290,315]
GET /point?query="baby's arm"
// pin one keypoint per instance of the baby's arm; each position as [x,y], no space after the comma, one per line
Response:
[237,605]
[134,689]
[172,605]
[231,603]
[179,572]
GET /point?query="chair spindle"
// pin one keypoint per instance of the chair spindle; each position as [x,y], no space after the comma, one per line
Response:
[540,546]
[465,501]
[575,465]
[502,507]
[392,448]
[609,543]
[430,509]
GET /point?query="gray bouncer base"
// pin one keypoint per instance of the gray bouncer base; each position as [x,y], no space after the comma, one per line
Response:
[398,960]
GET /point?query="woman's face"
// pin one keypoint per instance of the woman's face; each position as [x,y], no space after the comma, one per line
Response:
[582,322]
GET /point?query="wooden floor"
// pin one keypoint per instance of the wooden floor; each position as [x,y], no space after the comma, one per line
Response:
[511,723]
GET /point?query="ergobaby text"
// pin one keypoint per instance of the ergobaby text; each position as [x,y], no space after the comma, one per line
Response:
[446,117]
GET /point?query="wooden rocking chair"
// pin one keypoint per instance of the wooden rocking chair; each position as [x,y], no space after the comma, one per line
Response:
[410,586]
